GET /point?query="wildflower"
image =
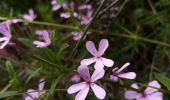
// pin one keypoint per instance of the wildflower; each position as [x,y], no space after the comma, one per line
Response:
[55,5]
[45,35]
[85,19]
[30,16]
[78,35]
[35,94]
[148,94]
[89,82]
[117,73]
[6,32]
[100,61]
[68,15]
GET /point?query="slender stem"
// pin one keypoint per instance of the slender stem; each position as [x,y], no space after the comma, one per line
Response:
[88,26]
[46,23]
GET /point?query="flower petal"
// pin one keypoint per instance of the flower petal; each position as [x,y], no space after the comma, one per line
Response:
[132,94]
[98,91]
[91,48]
[107,62]
[103,45]
[83,70]
[41,84]
[155,96]
[65,15]
[5,28]
[135,86]
[97,75]
[33,93]
[76,87]
[99,65]
[123,67]
[129,75]
[83,93]
[39,44]
[88,61]
[150,90]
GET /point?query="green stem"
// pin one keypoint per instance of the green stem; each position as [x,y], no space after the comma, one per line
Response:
[88,26]
[46,24]
[135,37]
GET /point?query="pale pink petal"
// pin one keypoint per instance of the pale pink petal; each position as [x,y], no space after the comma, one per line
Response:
[123,67]
[150,90]
[41,84]
[135,86]
[114,78]
[83,70]
[56,7]
[91,48]
[132,94]
[115,69]
[65,15]
[129,75]
[156,96]
[97,75]
[103,45]
[107,62]
[77,87]
[99,65]
[88,61]
[5,28]
[98,91]
[4,43]
[33,93]
[83,93]
[39,44]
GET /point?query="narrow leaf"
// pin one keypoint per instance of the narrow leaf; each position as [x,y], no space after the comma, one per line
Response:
[8,94]
[164,80]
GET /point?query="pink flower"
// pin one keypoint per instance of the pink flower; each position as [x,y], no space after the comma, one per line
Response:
[85,19]
[148,94]
[30,16]
[100,61]
[77,35]
[45,35]
[55,5]
[117,73]
[5,31]
[35,94]
[89,82]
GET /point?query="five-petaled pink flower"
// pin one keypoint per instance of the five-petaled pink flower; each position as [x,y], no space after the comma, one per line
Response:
[100,61]
[35,94]
[30,16]
[45,35]
[149,93]
[117,73]
[84,87]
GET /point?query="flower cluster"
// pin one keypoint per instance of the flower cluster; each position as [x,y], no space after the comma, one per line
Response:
[90,82]
[32,94]
[70,11]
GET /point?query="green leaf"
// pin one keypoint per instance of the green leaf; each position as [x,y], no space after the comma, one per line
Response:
[164,80]
[12,74]
[8,94]
[54,84]
[34,73]
[62,48]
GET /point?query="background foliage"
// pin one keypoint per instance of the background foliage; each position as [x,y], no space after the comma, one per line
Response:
[138,33]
